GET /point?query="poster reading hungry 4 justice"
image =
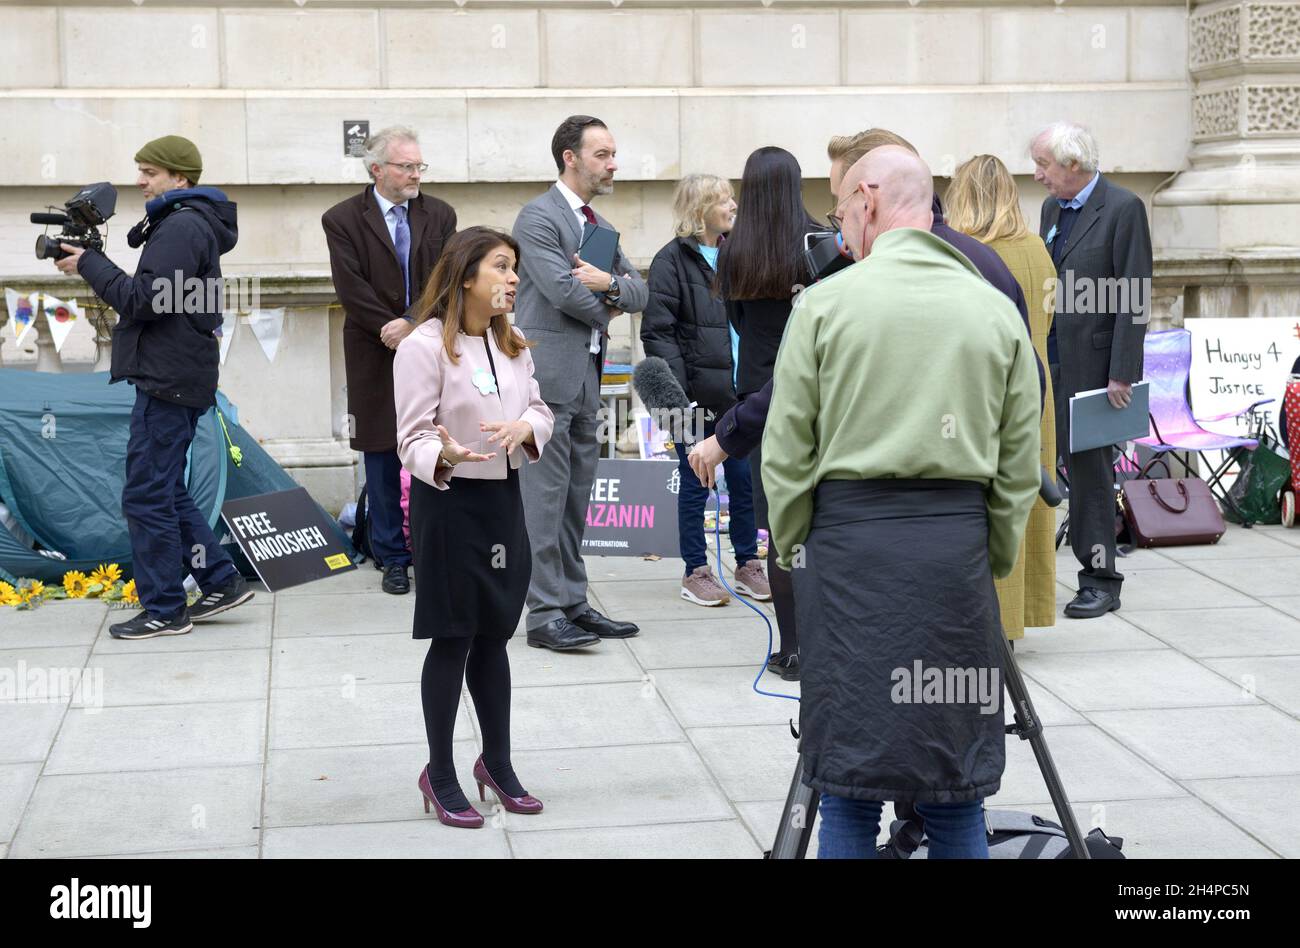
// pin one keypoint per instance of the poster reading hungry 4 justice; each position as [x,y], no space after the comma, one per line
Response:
[1236,362]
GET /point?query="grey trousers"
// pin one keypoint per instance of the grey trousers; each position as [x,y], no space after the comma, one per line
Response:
[556,490]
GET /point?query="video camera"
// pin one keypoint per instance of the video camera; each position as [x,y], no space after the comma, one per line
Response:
[89,207]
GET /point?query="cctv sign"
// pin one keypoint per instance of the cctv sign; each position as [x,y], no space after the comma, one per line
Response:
[355,133]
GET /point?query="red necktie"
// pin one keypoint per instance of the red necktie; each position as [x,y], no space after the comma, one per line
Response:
[589,214]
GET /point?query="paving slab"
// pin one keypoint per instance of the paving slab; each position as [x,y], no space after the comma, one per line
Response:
[617,786]
[1274,679]
[403,839]
[1098,681]
[1262,806]
[1192,743]
[142,812]
[751,763]
[590,716]
[1248,630]
[607,662]
[159,737]
[1272,576]
[373,613]
[331,660]
[248,626]
[352,714]
[16,784]
[701,697]
[55,623]
[152,678]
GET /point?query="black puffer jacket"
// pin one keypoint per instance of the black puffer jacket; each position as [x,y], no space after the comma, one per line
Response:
[164,343]
[685,324]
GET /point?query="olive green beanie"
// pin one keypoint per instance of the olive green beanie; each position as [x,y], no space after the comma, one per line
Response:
[177,155]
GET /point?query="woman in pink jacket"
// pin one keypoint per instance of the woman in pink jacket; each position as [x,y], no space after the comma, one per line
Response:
[468,414]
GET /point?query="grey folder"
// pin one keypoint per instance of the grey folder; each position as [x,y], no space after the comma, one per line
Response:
[1095,423]
[599,248]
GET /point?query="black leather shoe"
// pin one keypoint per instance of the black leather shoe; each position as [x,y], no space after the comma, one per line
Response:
[787,666]
[560,635]
[396,581]
[604,626]
[1091,603]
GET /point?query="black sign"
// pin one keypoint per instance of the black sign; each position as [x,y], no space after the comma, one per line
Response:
[287,537]
[355,133]
[633,509]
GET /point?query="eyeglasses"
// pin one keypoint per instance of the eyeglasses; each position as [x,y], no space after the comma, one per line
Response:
[409,168]
[837,220]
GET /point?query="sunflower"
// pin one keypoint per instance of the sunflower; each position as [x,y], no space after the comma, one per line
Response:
[32,593]
[75,584]
[106,574]
[8,595]
[129,595]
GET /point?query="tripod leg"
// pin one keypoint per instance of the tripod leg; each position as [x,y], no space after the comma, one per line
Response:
[1028,728]
[794,832]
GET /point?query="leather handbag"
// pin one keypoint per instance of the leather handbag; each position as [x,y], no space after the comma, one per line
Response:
[1171,512]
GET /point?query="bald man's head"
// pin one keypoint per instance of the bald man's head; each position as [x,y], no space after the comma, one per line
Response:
[887,188]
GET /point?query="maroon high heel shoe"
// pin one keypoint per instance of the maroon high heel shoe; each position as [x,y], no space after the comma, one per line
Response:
[467,819]
[525,804]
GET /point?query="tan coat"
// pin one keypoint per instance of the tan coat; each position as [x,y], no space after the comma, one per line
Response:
[1027,597]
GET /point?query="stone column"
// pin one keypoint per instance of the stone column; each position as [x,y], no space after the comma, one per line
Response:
[1230,223]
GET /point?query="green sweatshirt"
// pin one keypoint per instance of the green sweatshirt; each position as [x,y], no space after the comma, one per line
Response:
[907,364]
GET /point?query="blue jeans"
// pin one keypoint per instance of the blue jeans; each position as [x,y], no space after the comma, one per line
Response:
[692,496]
[165,526]
[849,829]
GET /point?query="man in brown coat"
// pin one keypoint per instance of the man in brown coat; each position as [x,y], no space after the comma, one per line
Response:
[383,244]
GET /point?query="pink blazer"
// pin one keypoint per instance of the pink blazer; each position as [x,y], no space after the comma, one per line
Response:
[429,390]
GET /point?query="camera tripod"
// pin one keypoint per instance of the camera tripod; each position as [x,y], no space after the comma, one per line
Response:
[794,832]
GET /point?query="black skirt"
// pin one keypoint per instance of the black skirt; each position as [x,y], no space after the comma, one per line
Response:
[472,559]
[900,664]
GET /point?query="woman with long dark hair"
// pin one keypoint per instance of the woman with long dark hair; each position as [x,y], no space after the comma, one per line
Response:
[760,270]
[468,413]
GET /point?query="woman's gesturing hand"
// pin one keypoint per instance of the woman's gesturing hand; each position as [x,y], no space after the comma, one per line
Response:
[454,453]
[510,434]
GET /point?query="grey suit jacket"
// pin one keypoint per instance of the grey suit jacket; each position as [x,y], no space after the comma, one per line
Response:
[552,307]
[1104,296]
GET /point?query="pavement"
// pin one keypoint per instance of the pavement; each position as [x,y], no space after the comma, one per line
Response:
[291,727]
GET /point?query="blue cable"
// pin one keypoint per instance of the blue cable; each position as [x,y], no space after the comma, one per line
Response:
[717,538]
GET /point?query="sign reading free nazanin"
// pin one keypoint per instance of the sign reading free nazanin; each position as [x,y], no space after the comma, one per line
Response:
[633,509]
[286,537]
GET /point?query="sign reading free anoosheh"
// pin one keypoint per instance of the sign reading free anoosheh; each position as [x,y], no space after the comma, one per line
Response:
[287,537]
[1236,362]
[632,510]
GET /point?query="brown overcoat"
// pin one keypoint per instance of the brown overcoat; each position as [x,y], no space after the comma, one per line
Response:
[368,280]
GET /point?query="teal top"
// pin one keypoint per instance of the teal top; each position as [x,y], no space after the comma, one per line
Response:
[906,364]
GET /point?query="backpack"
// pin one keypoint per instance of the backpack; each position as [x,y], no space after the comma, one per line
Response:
[1012,834]
[361,532]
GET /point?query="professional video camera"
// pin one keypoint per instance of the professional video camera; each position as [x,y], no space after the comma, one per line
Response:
[89,207]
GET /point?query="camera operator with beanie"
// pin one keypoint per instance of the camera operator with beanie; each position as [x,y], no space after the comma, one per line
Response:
[902,474]
[171,356]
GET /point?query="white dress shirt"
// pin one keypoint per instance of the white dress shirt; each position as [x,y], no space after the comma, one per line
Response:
[577,203]
[386,208]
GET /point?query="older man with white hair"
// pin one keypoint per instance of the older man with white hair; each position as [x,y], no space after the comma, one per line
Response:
[1099,240]
[383,244]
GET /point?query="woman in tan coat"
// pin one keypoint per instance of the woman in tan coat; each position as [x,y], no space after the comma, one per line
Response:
[983,201]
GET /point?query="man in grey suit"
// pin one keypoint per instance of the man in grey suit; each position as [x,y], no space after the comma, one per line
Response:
[1099,240]
[565,306]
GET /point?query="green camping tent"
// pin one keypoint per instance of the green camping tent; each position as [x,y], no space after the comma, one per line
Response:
[63,459]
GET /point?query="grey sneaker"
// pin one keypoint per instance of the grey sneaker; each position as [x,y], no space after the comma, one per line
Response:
[703,589]
[751,581]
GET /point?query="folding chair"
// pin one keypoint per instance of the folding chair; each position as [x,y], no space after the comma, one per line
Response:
[1167,365]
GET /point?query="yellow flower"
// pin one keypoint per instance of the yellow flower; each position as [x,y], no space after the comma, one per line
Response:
[33,592]
[106,574]
[75,584]
[129,595]
[9,596]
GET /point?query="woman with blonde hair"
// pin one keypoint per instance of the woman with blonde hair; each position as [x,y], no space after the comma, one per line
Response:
[983,201]
[685,324]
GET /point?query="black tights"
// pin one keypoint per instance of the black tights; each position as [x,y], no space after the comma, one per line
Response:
[483,665]
[783,599]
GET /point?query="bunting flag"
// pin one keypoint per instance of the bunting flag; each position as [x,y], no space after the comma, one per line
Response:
[21,313]
[229,320]
[268,326]
[60,317]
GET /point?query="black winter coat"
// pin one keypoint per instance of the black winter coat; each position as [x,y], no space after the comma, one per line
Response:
[685,324]
[163,342]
